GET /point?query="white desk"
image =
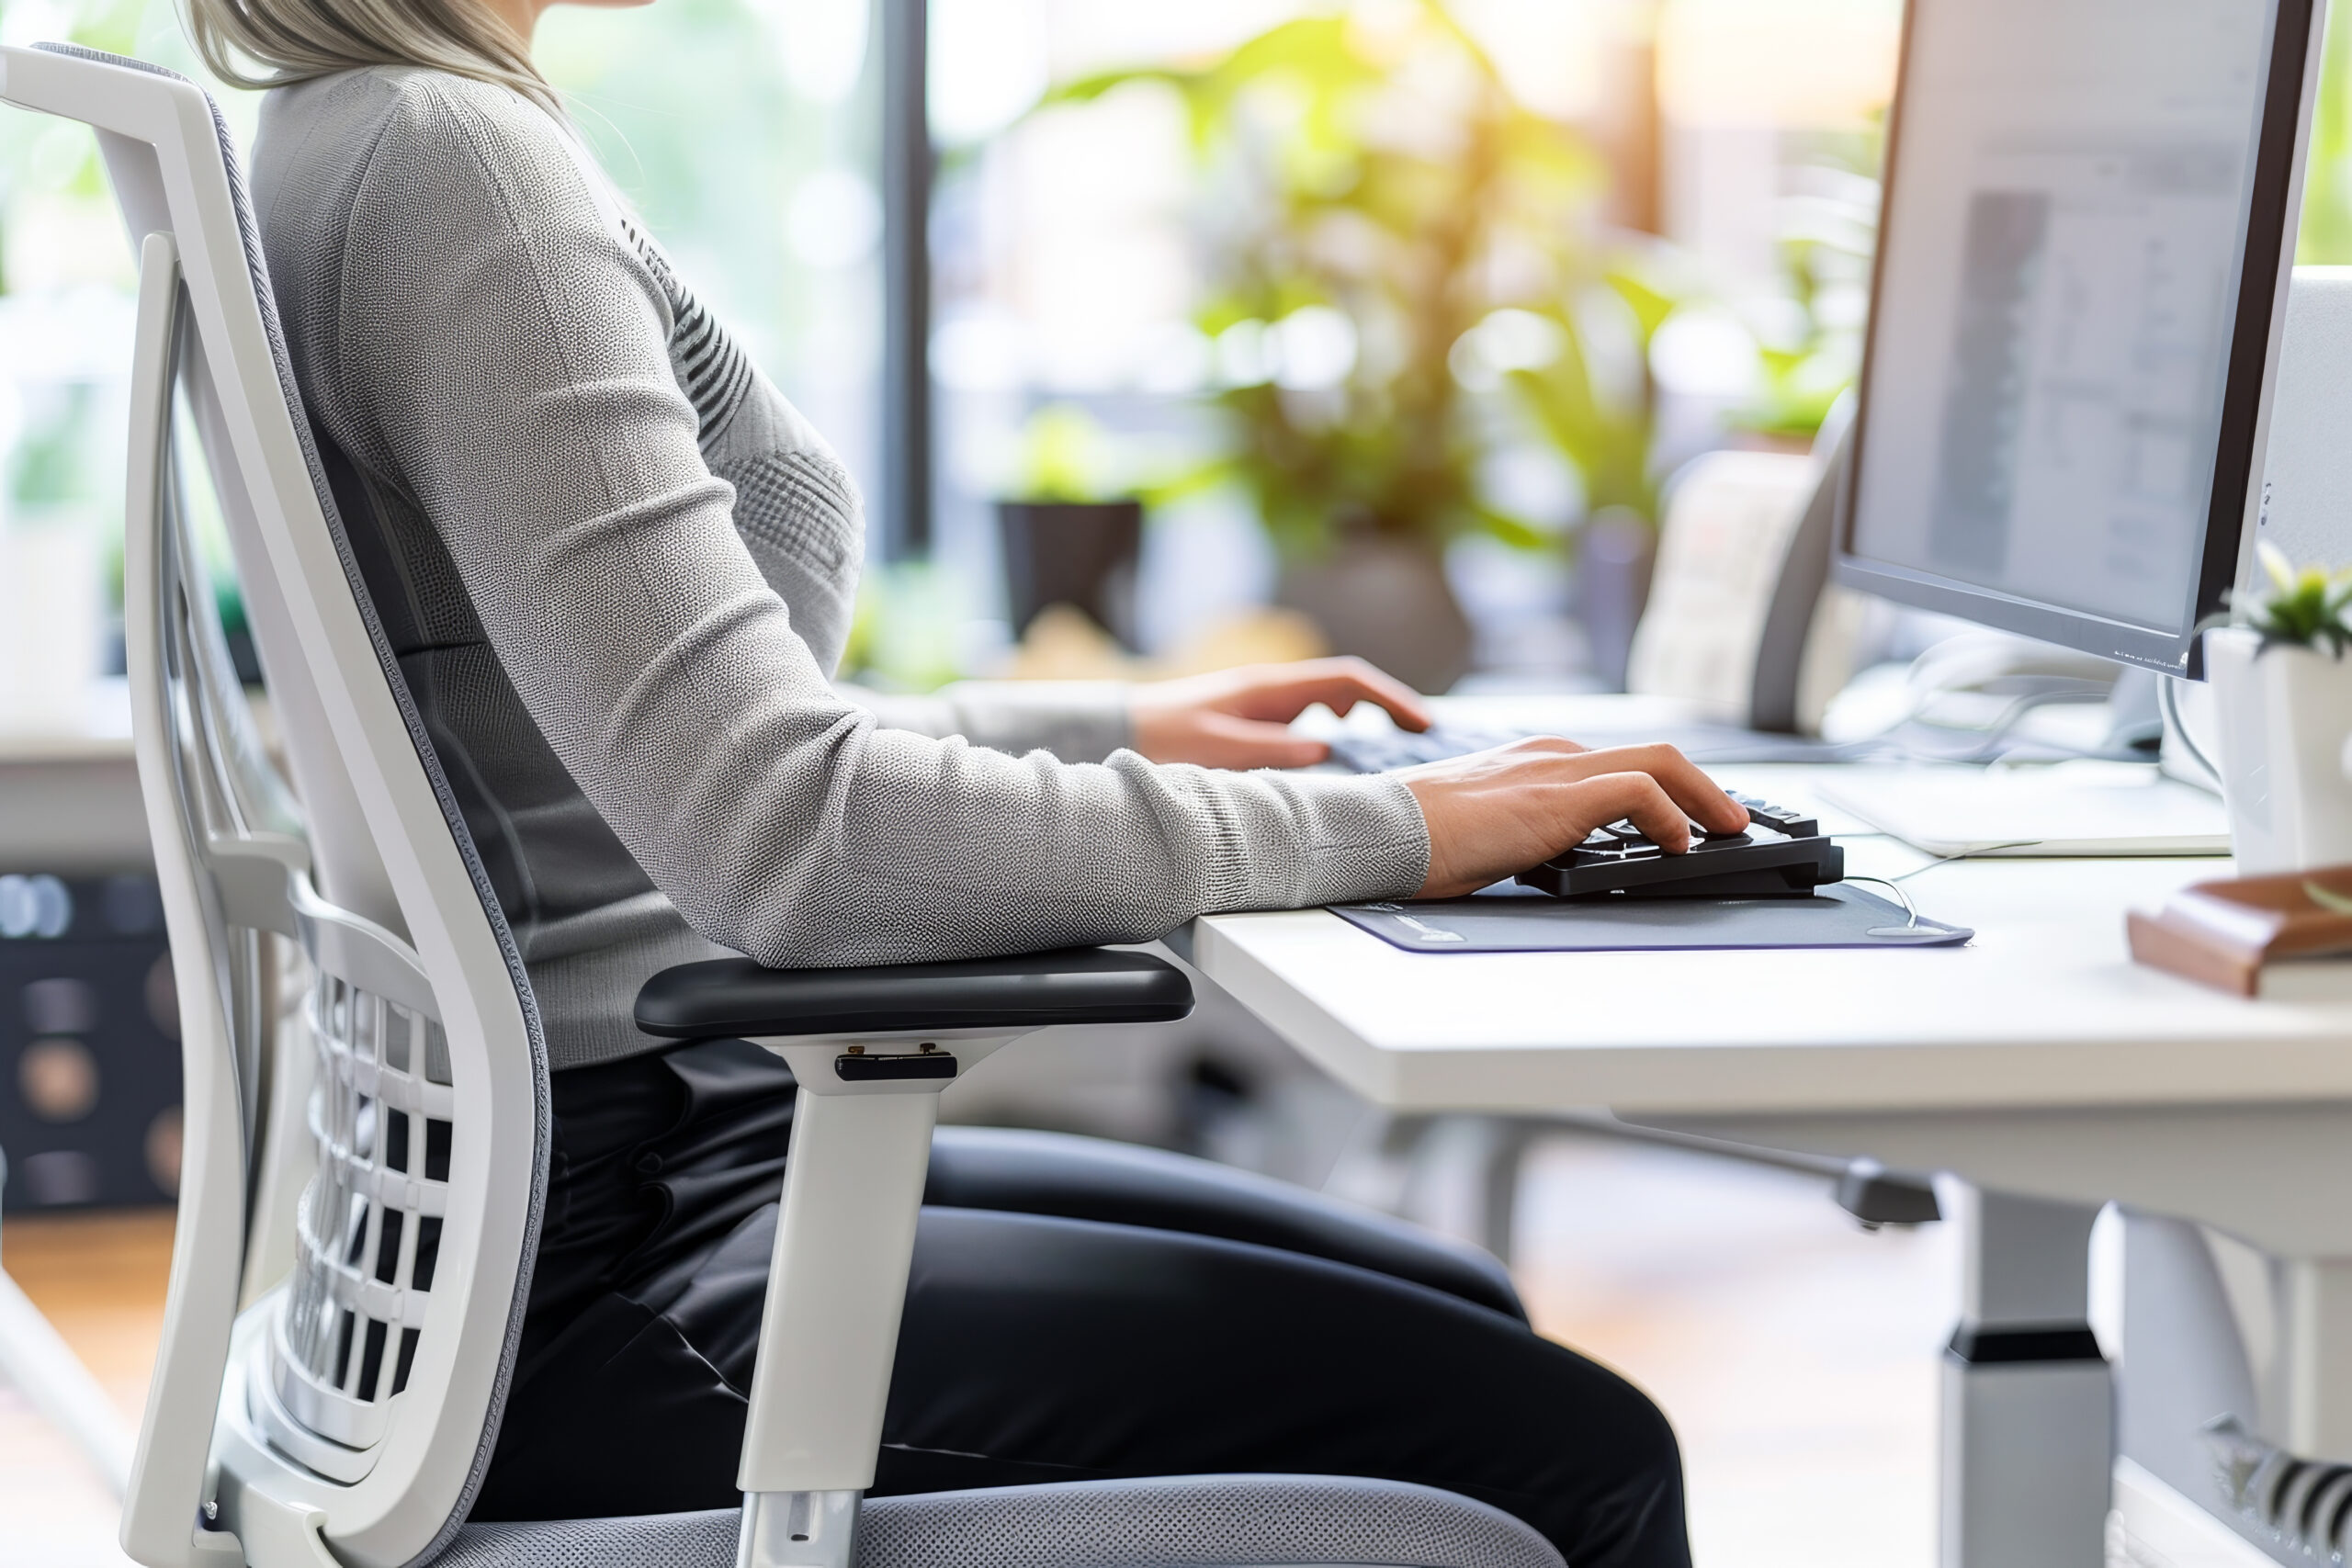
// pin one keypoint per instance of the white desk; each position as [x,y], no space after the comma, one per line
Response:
[2038,1062]
[69,800]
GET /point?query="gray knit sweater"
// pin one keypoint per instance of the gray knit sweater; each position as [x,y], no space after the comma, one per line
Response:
[617,567]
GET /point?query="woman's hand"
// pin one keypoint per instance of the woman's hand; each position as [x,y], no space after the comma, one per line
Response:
[1496,813]
[1240,718]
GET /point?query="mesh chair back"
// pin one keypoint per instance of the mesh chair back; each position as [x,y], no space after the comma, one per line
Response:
[360,1399]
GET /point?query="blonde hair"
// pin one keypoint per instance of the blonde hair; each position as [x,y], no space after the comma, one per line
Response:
[294,40]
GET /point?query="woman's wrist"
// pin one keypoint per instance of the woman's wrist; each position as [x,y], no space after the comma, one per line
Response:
[1366,838]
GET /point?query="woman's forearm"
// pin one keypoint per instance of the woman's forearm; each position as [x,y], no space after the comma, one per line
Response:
[1079,721]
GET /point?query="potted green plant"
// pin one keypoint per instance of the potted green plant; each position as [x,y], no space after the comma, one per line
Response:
[1602,424]
[1069,532]
[1373,197]
[2283,688]
[1810,349]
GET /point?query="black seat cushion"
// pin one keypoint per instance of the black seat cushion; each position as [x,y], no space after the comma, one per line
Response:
[1092,1179]
[1031,990]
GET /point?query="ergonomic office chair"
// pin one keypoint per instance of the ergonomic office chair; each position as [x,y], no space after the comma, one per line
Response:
[347,1415]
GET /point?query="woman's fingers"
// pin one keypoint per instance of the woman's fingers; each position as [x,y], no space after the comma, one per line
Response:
[1237,719]
[1494,814]
[1241,743]
[1611,797]
[1680,778]
[1282,692]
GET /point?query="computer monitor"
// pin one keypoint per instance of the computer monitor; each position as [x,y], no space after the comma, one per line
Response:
[2081,273]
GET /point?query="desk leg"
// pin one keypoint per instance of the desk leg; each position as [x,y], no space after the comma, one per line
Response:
[2029,1422]
[2313,1402]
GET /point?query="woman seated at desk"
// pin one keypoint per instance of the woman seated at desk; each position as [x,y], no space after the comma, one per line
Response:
[617,567]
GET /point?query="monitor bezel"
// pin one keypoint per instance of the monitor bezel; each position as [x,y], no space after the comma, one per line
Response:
[2274,214]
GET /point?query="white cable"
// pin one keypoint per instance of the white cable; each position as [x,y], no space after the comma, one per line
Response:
[1973,659]
[1908,907]
[2169,704]
[1978,853]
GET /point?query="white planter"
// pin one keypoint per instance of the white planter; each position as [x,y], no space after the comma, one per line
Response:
[2286,716]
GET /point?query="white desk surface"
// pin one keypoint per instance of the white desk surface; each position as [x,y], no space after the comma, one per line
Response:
[2045,1008]
[69,791]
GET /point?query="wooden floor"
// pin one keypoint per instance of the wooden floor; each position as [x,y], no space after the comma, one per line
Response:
[100,1281]
[1795,1352]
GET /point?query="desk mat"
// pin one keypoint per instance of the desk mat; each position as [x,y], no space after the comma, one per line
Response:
[1519,920]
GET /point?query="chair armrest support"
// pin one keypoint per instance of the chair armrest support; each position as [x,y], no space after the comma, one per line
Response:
[837,1286]
[844,1241]
[871,1050]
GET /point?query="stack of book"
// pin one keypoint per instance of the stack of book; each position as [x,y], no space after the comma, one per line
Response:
[2284,937]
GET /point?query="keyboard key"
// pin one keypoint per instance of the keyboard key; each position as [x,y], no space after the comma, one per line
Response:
[1388,750]
[1779,818]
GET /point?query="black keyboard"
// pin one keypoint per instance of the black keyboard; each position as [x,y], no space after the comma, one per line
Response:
[1788,859]
[1388,750]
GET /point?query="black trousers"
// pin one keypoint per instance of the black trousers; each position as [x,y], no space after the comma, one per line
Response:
[1072,1315]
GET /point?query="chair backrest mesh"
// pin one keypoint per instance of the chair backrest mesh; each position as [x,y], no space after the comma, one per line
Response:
[383,1119]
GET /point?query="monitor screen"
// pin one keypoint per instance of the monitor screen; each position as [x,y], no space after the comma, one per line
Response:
[2079,255]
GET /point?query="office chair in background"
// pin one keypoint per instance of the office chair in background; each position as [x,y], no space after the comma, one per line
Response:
[345,1413]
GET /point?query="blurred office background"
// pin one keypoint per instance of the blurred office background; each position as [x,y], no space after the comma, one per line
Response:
[1384,305]
[1426,299]
[1388,320]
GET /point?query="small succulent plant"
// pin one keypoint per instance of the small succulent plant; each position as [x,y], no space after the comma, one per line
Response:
[2305,606]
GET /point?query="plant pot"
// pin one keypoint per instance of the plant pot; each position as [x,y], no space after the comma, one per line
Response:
[1388,601]
[2285,715]
[1082,554]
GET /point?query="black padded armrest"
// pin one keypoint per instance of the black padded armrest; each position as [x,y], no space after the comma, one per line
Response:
[728,997]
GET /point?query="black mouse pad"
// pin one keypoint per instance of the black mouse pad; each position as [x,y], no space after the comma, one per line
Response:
[1506,920]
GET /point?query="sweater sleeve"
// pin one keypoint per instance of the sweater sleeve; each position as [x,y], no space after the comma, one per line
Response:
[1079,721]
[510,351]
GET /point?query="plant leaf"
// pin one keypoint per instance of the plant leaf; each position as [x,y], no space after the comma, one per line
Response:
[2275,562]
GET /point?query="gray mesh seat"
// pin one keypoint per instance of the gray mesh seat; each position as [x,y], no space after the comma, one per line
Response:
[1179,1522]
[365,1167]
